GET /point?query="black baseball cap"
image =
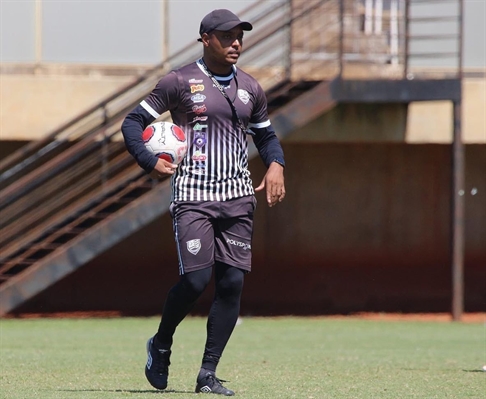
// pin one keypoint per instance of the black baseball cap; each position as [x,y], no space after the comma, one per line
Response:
[221,19]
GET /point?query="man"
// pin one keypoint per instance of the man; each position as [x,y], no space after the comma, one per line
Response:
[213,200]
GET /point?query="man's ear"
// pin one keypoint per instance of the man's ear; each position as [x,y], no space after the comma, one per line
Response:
[205,39]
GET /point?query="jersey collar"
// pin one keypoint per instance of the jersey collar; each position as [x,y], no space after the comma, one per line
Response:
[217,77]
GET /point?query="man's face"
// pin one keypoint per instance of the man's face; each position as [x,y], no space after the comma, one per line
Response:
[225,46]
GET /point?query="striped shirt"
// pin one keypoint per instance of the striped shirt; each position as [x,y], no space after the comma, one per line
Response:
[215,167]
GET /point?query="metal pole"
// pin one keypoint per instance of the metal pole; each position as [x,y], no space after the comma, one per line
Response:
[394,32]
[407,36]
[341,37]
[38,34]
[368,22]
[458,199]
[378,16]
[288,67]
[458,193]
[165,29]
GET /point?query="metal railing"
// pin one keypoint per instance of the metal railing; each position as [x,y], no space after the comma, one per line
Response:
[47,183]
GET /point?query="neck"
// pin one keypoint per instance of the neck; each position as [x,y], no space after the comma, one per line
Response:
[217,68]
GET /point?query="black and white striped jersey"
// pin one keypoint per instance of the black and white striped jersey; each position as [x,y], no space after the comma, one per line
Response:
[216,164]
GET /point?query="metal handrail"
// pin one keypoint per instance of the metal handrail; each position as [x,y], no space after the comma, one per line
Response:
[17,161]
[25,183]
[85,143]
[87,135]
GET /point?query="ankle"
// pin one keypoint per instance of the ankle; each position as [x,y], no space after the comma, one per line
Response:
[209,363]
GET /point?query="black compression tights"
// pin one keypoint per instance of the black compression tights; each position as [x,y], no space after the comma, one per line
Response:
[222,316]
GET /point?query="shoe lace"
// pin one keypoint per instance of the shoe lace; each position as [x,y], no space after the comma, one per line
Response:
[162,364]
[216,380]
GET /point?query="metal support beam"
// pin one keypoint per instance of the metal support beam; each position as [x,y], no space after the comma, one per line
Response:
[457,216]
[401,91]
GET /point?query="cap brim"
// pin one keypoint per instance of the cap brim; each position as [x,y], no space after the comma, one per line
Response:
[230,25]
[233,24]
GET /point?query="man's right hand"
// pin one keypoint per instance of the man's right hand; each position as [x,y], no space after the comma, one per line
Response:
[163,169]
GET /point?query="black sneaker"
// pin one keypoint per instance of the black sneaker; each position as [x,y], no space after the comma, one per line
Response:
[208,383]
[157,368]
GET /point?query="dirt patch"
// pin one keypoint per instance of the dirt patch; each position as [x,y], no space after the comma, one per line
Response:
[439,317]
[434,317]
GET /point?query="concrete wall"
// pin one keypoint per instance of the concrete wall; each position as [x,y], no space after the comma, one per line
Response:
[364,227]
[32,106]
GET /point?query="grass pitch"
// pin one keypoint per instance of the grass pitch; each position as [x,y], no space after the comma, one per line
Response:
[304,358]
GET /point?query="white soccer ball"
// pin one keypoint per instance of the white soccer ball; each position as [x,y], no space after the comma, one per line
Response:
[166,141]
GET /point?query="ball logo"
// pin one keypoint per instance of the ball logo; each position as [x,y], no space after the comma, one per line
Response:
[193,246]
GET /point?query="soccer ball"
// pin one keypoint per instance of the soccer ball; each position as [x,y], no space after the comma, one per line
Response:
[166,141]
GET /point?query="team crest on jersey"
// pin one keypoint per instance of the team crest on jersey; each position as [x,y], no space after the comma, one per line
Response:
[193,246]
[243,96]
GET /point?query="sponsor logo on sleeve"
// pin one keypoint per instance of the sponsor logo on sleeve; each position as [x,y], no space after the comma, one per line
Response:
[195,81]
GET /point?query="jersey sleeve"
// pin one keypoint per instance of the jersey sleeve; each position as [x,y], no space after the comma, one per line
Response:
[264,137]
[164,97]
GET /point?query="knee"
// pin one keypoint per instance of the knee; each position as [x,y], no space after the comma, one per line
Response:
[196,282]
[231,284]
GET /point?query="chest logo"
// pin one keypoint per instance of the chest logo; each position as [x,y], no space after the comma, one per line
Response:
[243,96]
[199,109]
[198,98]
[199,139]
[196,88]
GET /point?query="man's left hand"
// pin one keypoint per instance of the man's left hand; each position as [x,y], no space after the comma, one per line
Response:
[274,182]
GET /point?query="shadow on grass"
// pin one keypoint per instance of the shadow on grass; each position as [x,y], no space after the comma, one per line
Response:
[126,391]
[475,371]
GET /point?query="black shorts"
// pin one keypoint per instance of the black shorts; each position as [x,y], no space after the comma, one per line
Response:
[209,231]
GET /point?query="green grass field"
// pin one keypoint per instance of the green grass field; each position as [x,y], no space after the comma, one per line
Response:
[305,358]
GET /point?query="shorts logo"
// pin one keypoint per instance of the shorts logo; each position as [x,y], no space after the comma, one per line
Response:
[193,246]
[240,244]
[243,96]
